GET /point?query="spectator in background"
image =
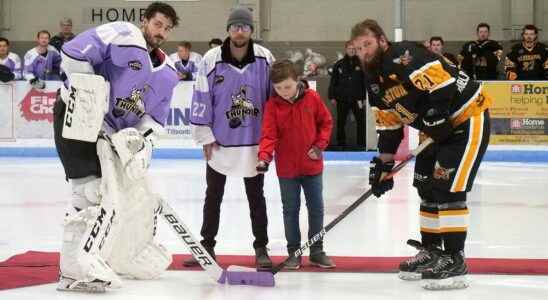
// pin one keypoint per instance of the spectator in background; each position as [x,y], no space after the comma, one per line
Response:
[480,58]
[436,45]
[186,67]
[64,36]
[42,62]
[193,56]
[527,60]
[347,93]
[215,42]
[10,59]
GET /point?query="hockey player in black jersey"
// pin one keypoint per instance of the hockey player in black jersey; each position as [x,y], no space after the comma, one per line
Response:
[480,58]
[527,60]
[409,85]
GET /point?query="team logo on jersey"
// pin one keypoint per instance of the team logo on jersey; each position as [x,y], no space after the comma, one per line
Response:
[241,108]
[421,178]
[219,79]
[135,65]
[441,173]
[133,103]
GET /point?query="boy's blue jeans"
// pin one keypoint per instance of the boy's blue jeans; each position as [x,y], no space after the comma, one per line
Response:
[290,189]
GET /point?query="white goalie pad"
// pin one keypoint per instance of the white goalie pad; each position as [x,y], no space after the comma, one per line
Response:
[84,235]
[86,105]
[132,252]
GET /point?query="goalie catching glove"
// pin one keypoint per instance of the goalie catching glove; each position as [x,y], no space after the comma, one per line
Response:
[134,146]
[134,150]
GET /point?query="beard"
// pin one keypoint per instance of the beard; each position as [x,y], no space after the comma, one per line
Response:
[239,43]
[375,62]
[153,41]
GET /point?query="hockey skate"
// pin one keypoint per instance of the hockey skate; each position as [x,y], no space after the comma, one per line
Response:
[413,267]
[448,273]
[69,284]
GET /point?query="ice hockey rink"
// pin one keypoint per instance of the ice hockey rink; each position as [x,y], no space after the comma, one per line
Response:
[509,209]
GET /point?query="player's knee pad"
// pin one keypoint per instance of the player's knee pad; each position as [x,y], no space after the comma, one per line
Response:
[84,235]
[86,192]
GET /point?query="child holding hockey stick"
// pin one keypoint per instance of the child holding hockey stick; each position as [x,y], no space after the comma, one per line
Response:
[297,127]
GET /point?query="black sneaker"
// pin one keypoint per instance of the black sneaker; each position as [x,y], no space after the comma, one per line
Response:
[192,262]
[294,263]
[448,273]
[262,260]
[413,267]
[320,259]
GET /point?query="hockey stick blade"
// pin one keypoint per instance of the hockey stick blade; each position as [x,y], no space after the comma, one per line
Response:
[318,236]
[234,275]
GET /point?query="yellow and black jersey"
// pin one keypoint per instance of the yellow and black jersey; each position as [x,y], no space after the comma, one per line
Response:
[479,59]
[527,63]
[411,80]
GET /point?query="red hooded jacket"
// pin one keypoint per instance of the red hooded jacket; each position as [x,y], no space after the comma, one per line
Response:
[291,129]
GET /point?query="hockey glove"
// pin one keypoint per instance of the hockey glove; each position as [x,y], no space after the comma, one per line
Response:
[6,74]
[437,125]
[134,150]
[138,165]
[377,171]
[37,84]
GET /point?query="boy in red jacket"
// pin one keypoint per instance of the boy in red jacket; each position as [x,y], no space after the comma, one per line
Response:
[297,127]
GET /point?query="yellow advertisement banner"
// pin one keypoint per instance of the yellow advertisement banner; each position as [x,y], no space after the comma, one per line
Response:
[519,114]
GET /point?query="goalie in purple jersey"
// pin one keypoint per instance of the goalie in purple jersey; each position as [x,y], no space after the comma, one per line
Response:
[112,107]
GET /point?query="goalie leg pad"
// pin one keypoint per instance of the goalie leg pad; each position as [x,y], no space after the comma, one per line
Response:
[135,254]
[150,263]
[84,235]
[86,192]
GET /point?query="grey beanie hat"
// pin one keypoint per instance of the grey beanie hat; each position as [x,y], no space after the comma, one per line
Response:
[240,15]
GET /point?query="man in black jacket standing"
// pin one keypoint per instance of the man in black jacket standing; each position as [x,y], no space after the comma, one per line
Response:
[347,93]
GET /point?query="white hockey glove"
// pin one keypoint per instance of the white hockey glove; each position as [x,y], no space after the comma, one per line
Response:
[134,150]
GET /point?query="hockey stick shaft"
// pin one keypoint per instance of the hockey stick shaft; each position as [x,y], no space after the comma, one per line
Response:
[195,247]
[318,236]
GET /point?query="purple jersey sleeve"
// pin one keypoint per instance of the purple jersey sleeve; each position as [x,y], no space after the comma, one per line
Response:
[201,111]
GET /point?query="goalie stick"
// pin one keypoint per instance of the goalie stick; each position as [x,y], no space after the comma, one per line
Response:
[352,207]
[233,275]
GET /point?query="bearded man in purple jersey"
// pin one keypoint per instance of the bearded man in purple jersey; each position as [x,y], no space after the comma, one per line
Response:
[118,72]
[232,86]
